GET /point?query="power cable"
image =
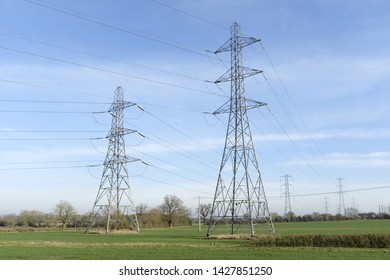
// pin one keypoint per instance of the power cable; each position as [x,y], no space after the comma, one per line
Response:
[52,112]
[295,146]
[111,26]
[178,175]
[105,58]
[50,88]
[105,70]
[46,162]
[176,149]
[174,165]
[295,109]
[52,139]
[50,167]
[183,133]
[344,191]
[190,15]
[51,131]
[174,185]
[51,101]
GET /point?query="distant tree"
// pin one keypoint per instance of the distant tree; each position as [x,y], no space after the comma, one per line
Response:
[173,209]
[307,218]
[31,218]
[352,213]
[339,217]
[316,216]
[290,217]
[8,220]
[276,217]
[327,217]
[64,211]
[140,209]
[152,218]
[203,211]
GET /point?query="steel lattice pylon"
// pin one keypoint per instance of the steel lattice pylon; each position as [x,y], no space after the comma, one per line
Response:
[113,202]
[239,198]
[287,201]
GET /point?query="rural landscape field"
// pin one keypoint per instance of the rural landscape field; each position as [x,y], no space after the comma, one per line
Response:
[194,130]
[188,243]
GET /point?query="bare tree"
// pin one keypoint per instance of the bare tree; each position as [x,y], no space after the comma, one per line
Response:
[31,218]
[140,209]
[64,210]
[173,208]
[203,211]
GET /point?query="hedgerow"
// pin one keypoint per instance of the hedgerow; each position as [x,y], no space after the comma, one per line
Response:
[325,240]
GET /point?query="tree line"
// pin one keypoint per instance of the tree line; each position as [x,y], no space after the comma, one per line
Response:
[350,214]
[171,212]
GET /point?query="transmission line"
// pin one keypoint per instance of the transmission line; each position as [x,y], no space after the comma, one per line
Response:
[293,144]
[336,192]
[111,26]
[189,14]
[295,110]
[52,112]
[106,58]
[106,70]
[51,101]
[50,88]
[49,167]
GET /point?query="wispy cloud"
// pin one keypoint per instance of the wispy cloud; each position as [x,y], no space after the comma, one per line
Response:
[338,75]
[327,134]
[351,160]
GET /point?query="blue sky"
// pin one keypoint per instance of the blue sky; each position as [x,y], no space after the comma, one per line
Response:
[326,69]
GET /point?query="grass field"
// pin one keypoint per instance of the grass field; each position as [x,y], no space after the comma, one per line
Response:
[185,243]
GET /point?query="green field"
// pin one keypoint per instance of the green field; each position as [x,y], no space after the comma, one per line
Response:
[185,243]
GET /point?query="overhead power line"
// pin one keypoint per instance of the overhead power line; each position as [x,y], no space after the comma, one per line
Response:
[336,192]
[52,112]
[50,88]
[50,139]
[47,162]
[114,27]
[105,58]
[189,14]
[49,167]
[51,101]
[107,70]
[300,118]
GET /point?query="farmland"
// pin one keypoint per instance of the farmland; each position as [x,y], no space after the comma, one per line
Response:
[185,243]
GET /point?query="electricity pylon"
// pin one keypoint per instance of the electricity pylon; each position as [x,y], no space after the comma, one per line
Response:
[341,205]
[113,201]
[239,198]
[287,202]
[326,207]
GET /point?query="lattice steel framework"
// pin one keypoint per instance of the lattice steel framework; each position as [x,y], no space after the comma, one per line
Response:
[341,207]
[113,204]
[287,201]
[239,198]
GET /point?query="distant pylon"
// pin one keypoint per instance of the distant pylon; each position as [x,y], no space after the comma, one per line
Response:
[341,206]
[326,207]
[239,198]
[113,204]
[287,202]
